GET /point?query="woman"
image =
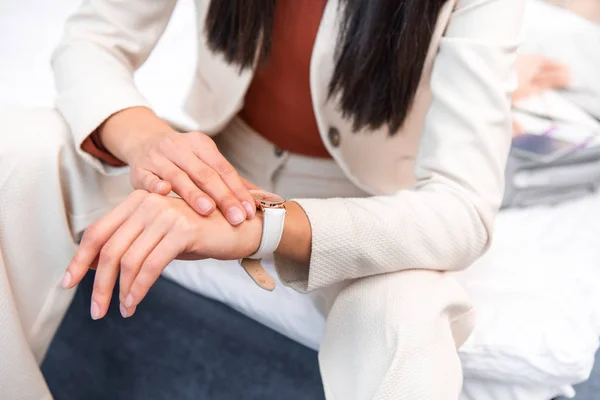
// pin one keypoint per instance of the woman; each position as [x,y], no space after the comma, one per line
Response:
[388,123]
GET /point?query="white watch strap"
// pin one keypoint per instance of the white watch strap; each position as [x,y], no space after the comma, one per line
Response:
[273,220]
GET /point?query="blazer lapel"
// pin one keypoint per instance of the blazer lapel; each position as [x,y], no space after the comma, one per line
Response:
[217,92]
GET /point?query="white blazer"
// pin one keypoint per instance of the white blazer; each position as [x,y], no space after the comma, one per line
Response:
[436,185]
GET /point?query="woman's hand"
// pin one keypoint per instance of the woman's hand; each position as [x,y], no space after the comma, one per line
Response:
[189,164]
[142,236]
[537,73]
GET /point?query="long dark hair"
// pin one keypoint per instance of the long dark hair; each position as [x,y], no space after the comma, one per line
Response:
[380,53]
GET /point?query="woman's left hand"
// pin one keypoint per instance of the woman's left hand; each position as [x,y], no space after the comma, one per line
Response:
[142,236]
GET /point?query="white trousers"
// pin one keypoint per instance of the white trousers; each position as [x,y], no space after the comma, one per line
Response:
[392,336]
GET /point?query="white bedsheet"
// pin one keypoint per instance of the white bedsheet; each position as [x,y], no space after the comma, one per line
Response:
[476,389]
[537,290]
[538,296]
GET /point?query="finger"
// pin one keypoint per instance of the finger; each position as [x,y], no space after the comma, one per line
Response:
[212,184]
[212,173]
[553,79]
[143,179]
[184,186]
[231,178]
[139,250]
[94,264]
[96,236]
[67,278]
[127,312]
[207,179]
[164,252]
[110,260]
[550,65]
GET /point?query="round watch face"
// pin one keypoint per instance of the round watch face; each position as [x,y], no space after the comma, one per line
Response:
[267,199]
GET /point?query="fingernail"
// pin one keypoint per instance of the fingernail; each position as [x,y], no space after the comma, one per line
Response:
[95,310]
[66,281]
[161,186]
[250,209]
[129,300]
[235,215]
[123,310]
[204,205]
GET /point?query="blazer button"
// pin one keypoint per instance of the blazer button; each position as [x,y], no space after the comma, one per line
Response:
[334,137]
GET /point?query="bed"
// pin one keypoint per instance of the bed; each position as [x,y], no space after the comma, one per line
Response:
[537,290]
[536,293]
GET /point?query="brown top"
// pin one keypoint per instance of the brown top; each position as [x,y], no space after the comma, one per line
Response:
[278,104]
[93,145]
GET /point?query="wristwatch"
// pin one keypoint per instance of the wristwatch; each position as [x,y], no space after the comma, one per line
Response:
[273,208]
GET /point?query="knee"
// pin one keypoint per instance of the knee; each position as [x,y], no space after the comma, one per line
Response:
[387,328]
[31,139]
[413,302]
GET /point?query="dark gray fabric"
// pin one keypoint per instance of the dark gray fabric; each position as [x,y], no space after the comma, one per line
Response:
[181,346]
[178,346]
[590,390]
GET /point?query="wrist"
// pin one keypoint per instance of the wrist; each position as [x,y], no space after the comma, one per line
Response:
[271,207]
[252,236]
[125,133]
[296,241]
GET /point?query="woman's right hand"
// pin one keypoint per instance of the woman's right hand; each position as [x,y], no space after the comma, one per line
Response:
[188,164]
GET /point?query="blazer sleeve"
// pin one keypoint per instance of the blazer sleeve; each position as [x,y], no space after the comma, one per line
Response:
[104,43]
[445,221]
